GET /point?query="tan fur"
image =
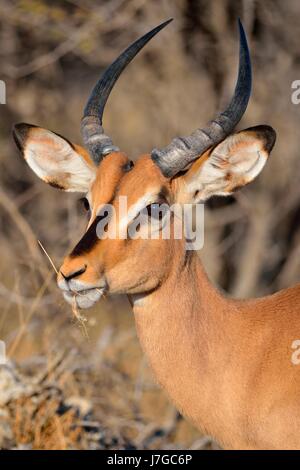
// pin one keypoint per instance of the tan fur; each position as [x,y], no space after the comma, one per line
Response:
[85,154]
[108,175]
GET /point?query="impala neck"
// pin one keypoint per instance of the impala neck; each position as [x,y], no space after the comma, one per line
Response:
[181,327]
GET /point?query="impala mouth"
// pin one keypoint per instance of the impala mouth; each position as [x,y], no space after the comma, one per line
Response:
[85,298]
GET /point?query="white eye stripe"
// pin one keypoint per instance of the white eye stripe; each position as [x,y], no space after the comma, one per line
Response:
[136,208]
[125,216]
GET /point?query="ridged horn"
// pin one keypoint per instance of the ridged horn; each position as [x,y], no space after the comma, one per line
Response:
[182,151]
[96,141]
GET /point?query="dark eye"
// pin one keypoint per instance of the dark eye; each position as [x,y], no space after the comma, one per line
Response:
[149,209]
[85,203]
[128,166]
[157,210]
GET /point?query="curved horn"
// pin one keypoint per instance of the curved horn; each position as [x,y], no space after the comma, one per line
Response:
[92,131]
[183,150]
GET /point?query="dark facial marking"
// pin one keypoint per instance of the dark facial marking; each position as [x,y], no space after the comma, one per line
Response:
[88,240]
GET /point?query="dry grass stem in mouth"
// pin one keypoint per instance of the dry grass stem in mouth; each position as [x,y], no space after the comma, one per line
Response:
[48,256]
[103,294]
[80,318]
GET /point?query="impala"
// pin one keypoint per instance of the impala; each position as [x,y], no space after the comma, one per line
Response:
[225,363]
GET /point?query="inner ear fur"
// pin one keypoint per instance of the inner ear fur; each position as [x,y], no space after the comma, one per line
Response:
[54,158]
[230,165]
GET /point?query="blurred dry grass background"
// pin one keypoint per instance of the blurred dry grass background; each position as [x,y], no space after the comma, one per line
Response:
[63,390]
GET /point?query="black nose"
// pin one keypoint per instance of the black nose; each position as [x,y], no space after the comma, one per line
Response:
[76,273]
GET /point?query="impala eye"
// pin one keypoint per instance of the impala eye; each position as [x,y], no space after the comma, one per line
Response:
[157,210]
[151,208]
[128,166]
[85,203]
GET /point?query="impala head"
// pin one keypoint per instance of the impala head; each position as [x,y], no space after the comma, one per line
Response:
[211,161]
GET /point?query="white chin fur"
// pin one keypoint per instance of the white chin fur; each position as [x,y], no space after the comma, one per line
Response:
[86,300]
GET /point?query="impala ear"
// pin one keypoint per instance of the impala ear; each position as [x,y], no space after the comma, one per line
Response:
[54,159]
[232,164]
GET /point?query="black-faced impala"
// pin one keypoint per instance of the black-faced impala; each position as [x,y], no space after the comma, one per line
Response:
[225,363]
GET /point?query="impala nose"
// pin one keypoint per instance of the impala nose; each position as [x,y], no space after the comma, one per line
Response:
[73,274]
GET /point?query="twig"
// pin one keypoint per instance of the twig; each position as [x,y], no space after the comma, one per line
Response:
[80,318]
[48,256]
